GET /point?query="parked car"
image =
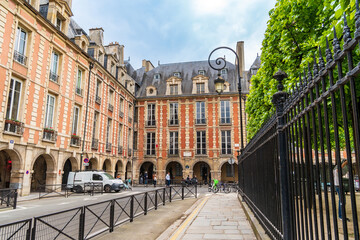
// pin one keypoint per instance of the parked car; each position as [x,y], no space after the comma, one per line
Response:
[77,181]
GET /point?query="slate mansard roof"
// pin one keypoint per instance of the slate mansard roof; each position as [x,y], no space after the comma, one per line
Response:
[188,70]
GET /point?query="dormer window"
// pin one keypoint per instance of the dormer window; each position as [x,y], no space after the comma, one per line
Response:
[177,74]
[100,57]
[157,76]
[224,73]
[200,88]
[201,72]
[112,68]
[58,23]
[150,91]
[174,89]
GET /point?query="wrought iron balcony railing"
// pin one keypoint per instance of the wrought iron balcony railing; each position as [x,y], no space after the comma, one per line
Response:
[53,77]
[110,107]
[150,123]
[130,119]
[225,121]
[200,152]
[174,122]
[95,143]
[49,135]
[108,147]
[200,121]
[225,151]
[75,141]
[98,100]
[121,114]
[78,91]
[174,152]
[14,126]
[120,150]
[20,58]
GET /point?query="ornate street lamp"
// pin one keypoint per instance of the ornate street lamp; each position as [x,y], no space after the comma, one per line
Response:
[220,63]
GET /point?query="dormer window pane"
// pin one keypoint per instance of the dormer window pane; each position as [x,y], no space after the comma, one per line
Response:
[177,74]
[201,72]
[224,73]
[157,76]
[174,89]
[200,88]
[58,23]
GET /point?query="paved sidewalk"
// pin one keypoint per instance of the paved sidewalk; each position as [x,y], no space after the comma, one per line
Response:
[218,216]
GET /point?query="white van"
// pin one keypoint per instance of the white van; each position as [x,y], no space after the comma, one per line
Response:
[76,181]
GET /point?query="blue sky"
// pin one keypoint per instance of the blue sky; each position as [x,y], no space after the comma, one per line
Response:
[177,30]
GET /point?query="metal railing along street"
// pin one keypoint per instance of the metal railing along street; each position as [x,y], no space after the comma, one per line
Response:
[8,198]
[314,138]
[91,220]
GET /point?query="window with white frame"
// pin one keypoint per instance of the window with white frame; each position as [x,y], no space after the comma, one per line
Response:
[157,76]
[200,113]
[54,66]
[96,117]
[49,114]
[226,142]
[225,111]
[151,115]
[201,72]
[121,106]
[224,73]
[177,74]
[79,81]
[13,105]
[120,137]
[20,45]
[174,119]
[174,89]
[58,23]
[76,116]
[108,132]
[98,91]
[150,143]
[200,88]
[201,142]
[173,146]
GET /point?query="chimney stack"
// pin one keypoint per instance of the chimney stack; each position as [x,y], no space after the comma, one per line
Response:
[147,65]
[240,53]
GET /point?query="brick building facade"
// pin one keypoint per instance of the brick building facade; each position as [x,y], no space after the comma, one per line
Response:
[183,126]
[45,59]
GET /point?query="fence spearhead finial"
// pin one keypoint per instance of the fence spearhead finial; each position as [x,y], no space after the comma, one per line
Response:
[309,75]
[329,57]
[280,76]
[336,44]
[346,32]
[315,67]
[357,20]
[321,60]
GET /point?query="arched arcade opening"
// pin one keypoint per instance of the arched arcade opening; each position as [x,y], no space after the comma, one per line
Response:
[70,165]
[176,171]
[146,172]
[202,172]
[128,172]
[119,169]
[229,173]
[9,162]
[42,172]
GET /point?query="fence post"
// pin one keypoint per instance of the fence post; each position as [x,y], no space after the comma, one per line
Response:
[156,200]
[182,192]
[279,100]
[15,199]
[145,204]
[132,209]
[81,223]
[164,196]
[33,232]
[170,194]
[28,231]
[195,190]
[112,213]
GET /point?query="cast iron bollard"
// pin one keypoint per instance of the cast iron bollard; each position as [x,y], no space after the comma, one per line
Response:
[279,100]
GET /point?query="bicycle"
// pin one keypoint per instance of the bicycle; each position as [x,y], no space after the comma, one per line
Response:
[213,188]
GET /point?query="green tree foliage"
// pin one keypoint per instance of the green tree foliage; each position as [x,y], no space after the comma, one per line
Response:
[295,30]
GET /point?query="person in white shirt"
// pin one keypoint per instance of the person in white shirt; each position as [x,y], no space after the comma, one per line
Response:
[167,178]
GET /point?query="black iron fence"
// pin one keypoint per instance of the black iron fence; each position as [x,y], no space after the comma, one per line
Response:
[8,198]
[294,174]
[89,221]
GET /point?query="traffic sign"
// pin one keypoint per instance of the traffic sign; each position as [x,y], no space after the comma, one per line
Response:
[231,161]
[86,160]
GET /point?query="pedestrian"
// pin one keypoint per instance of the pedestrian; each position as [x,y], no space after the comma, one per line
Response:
[337,188]
[194,180]
[154,179]
[167,178]
[146,177]
[118,176]
[188,180]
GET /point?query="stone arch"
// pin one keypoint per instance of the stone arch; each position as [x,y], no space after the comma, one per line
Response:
[146,171]
[10,164]
[43,171]
[202,171]
[229,173]
[106,166]
[119,169]
[93,164]
[128,170]
[176,170]
[69,165]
